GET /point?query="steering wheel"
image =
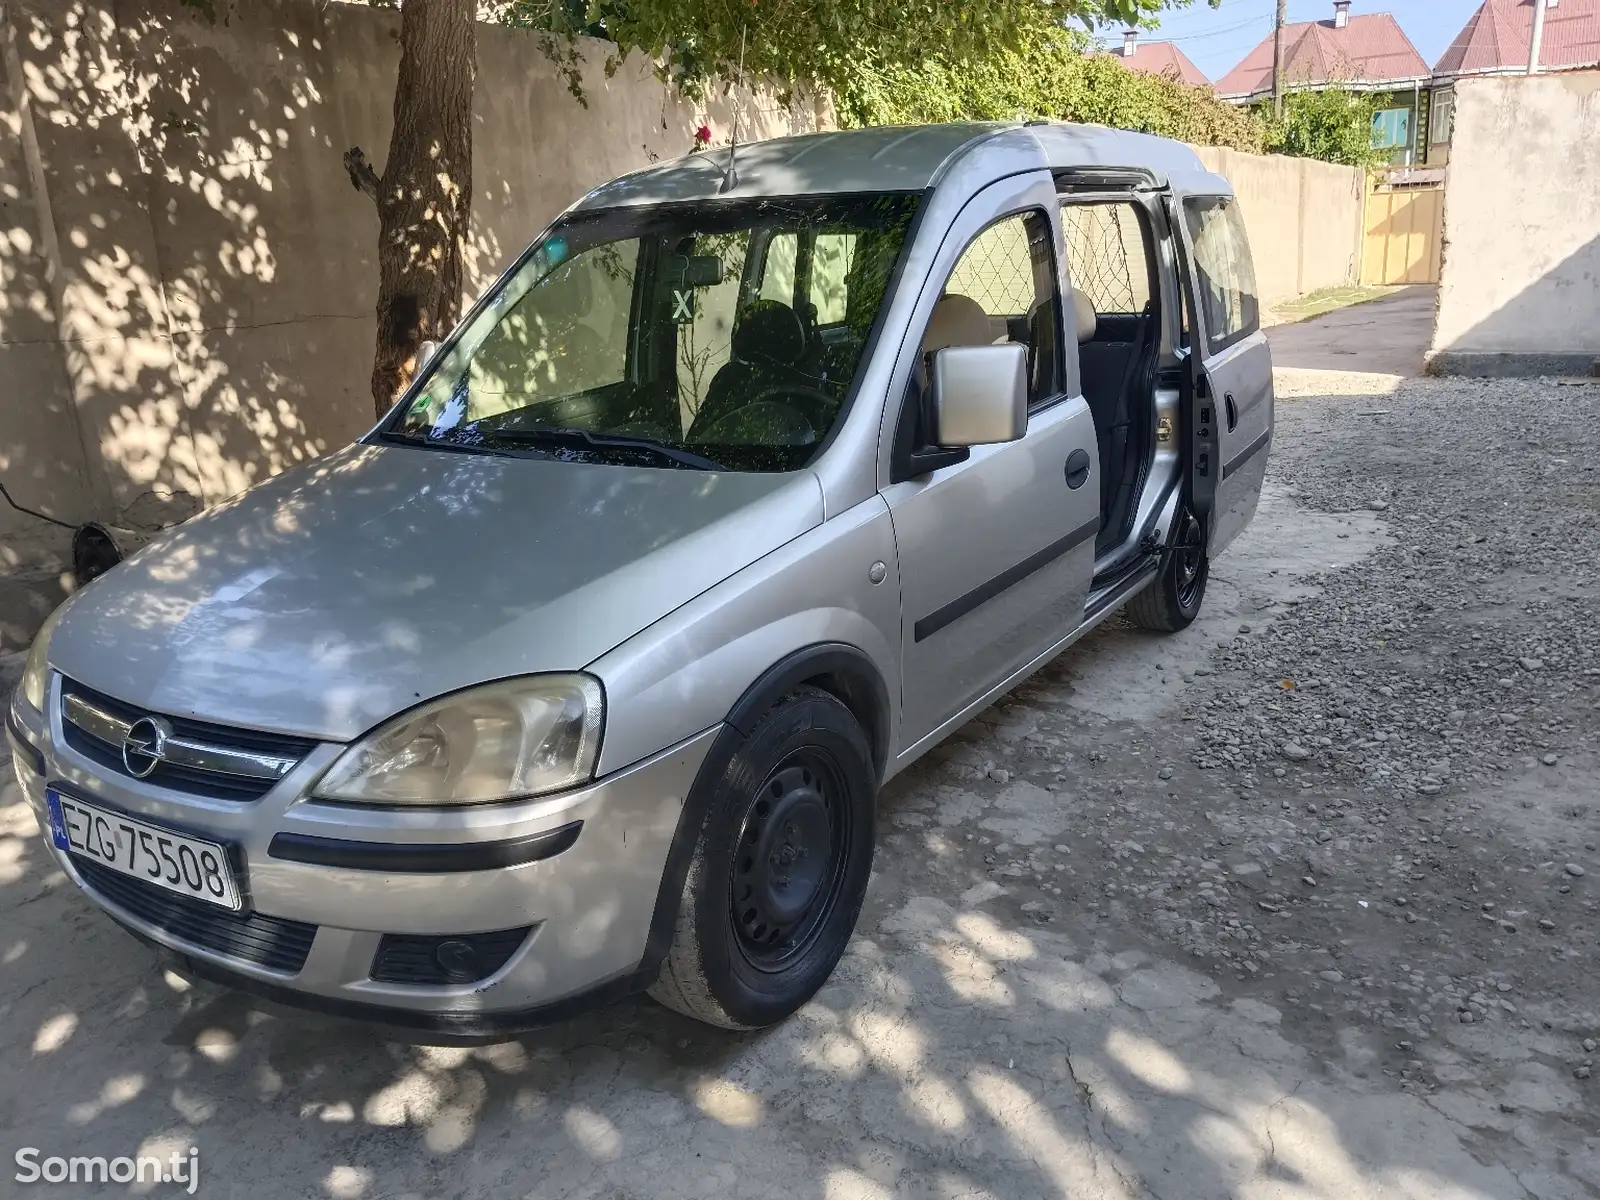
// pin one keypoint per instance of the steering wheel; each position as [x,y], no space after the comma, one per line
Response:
[818,406]
[759,423]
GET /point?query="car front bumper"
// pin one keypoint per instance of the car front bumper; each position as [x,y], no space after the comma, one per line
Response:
[581,871]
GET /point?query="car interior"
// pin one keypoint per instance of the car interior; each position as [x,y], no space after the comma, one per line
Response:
[736,341]
[800,325]
[1113,310]
[1109,260]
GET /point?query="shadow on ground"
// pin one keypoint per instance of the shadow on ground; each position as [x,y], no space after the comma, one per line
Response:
[997,1029]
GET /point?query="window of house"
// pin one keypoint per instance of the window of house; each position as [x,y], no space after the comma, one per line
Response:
[1444,111]
[1227,278]
[1391,128]
[1106,258]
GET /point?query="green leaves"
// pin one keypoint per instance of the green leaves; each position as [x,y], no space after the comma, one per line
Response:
[1334,125]
[1050,74]
[910,61]
[828,42]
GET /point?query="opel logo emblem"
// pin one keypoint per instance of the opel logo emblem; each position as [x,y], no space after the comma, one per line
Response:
[144,747]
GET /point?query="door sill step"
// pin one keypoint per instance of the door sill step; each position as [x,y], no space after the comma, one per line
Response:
[1124,583]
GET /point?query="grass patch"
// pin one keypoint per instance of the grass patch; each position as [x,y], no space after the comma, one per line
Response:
[1326,300]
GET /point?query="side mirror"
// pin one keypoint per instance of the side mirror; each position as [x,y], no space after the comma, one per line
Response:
[425,353]
[980,395]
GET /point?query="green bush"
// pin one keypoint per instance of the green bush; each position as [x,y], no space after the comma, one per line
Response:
[1054,77]
[1334,125]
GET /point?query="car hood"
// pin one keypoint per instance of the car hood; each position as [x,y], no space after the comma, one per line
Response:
[345,591]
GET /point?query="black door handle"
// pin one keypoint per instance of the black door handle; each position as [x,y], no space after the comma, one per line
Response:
[1232,411]
[1077,468]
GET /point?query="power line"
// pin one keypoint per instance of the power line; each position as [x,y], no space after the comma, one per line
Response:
[1200,37]
[1193,37]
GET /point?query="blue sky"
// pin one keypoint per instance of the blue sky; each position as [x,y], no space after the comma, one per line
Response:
[1217,38]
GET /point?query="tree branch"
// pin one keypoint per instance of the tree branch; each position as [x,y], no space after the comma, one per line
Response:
[362,177]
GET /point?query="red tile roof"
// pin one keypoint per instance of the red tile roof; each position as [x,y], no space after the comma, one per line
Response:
[1370,49]
[1163,58]
[1497,37]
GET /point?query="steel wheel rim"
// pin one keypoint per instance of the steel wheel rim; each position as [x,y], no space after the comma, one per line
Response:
[1189,556]
[789,860]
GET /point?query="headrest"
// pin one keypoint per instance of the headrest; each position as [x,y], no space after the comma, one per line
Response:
[1088,320]
[771,330]
[957,320]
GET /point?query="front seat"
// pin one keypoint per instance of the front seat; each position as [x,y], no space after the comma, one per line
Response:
[769,344]
[956,320]
[1084,315]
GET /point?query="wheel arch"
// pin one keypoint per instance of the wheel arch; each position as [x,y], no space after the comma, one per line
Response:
[844,671]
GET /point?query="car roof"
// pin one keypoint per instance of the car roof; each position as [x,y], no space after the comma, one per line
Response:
[905,158]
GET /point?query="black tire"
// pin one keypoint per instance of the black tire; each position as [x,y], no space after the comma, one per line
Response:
[754,941]
[1173,601]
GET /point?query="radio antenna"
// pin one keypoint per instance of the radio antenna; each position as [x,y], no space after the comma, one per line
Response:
[730,177]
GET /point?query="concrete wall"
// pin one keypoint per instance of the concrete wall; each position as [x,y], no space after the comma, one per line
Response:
[1303,217]
[187,277]
[1519,292]
[41,456]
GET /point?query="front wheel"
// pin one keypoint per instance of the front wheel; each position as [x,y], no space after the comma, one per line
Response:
[1172,602]
[780,870]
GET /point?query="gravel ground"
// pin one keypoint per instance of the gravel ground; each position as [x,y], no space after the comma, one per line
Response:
[1380,811]
[1300,902]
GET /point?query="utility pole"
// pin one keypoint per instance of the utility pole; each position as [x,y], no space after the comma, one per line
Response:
[1277,59]
[1538,37]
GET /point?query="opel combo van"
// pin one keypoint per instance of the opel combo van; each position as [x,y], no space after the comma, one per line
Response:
[755,476]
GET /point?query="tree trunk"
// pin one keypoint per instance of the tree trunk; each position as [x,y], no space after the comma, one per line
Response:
[424,196]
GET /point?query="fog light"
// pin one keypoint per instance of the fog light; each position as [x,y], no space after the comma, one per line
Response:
[459,961]
[449,958]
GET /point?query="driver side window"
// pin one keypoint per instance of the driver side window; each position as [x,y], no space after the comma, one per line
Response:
[1002,289]
[1008,276]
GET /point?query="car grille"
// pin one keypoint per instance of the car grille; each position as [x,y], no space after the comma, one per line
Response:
[202,759]
[272,942]
[450,958]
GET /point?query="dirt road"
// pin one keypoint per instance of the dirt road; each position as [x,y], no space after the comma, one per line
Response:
[1299,903]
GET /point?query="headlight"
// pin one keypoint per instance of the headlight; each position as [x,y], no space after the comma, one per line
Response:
[36,671]
[502,741]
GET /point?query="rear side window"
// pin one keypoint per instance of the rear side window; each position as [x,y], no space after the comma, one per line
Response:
[1227,278]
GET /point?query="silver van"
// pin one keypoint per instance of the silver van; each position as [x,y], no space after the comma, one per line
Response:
[745,485]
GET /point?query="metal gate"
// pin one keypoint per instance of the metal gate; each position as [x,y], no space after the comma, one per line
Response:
[1404,229]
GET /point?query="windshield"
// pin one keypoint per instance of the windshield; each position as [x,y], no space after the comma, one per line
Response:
[710,335]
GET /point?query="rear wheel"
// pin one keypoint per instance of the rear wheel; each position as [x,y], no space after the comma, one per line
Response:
[780,871]
[1172,602]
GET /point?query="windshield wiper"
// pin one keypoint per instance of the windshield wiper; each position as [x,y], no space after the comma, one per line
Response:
[584,439]
[401,438]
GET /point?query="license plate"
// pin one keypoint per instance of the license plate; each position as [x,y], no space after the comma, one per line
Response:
[174,861]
